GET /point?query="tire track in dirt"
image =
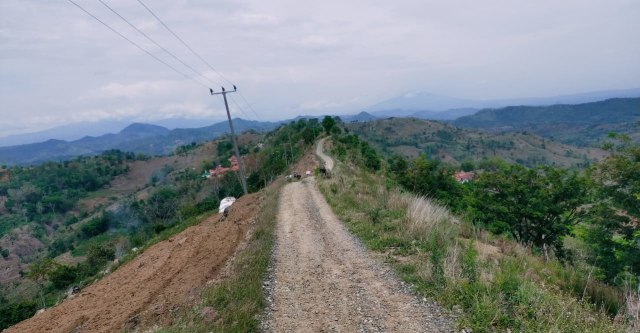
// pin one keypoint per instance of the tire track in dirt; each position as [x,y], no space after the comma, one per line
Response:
[324,281]
[146,291]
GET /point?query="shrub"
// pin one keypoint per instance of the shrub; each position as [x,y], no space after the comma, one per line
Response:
[12,313]
[95,226]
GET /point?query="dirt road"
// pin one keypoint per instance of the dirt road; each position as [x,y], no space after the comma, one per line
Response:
[328,162]
[324,281]
[147,290]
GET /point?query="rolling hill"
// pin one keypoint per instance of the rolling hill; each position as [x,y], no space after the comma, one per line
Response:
[410,103]
[410,137]
[580,124]
[137,138]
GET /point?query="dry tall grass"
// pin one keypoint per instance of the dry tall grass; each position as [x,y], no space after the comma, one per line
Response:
[632,302]
[425,217]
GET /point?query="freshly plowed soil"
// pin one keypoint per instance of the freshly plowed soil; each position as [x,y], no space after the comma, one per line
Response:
[147,290]
[325,281]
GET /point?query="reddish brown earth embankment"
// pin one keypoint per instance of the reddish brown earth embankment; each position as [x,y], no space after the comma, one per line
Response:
[147,290]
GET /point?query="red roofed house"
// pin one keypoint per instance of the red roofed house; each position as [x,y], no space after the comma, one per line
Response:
[220,170]
[464,177]
[234,163]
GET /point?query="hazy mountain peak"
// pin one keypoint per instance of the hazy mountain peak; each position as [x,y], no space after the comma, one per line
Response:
[412,102]
[137,128]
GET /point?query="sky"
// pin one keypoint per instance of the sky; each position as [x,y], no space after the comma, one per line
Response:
[59,66]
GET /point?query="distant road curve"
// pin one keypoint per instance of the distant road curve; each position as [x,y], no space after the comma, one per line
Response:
[328,161]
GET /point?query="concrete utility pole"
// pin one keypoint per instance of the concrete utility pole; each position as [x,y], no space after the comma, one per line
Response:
[224,93]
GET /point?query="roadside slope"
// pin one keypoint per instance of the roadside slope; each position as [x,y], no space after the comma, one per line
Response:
[147,290]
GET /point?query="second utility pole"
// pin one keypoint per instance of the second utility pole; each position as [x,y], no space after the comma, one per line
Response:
[224,93]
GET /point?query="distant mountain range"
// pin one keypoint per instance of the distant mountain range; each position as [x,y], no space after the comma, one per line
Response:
[583,124]
[80,130]
[430,106]
[137,138]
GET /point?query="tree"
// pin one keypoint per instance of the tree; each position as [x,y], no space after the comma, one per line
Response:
[39,272]
[308,135]
[467,166]
[610,231]
[162,204]
[430,178]
[535,206]
[328,123]
[99,254]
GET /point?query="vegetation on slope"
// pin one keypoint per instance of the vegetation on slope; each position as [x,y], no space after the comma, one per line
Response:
[78,247]
[440,141]
[582,124]
[57,242]
[537,270]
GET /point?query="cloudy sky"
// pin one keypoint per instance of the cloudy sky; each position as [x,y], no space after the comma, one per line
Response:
[290,57]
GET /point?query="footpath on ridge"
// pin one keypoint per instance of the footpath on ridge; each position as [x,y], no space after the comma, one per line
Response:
[325,281]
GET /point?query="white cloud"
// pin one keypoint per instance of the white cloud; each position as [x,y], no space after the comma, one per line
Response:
[255,19]
[139,89]
[58,65]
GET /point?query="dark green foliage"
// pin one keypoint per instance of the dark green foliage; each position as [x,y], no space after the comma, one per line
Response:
[535,206]
[359,152]
[58,247]
[254,182]
[224,150]
[186,148]
[328,124]
[429,178]
[610,233]
[397,165]
[56,187]
[11,313]
[63,276]
[468,165]
[95,226]
[162,205]
[308,135]
[370,156]
[99,254]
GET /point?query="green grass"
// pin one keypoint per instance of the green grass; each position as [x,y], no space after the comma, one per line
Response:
[437,254]
[235,303]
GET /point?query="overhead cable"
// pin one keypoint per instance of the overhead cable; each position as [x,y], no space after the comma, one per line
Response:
[157,44]
[136,45]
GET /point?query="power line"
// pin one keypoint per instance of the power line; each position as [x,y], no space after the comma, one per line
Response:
[183,42]
[136,45]
[201,59]
[241,109]
[156,43]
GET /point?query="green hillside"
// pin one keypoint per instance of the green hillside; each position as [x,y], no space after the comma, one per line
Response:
[581,124]
[62,223]
[411,137]
[519,249]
